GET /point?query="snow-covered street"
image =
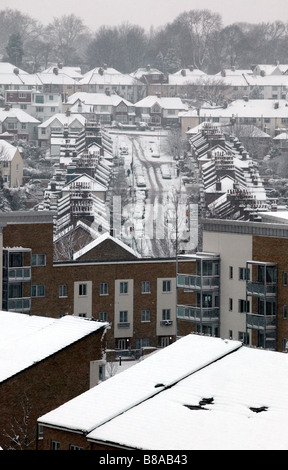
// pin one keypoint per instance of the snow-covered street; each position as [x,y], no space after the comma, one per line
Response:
[152,182]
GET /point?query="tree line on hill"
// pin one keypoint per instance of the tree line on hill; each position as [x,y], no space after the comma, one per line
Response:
[195,38]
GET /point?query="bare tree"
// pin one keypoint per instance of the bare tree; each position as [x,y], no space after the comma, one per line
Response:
[211,90]
[65,32]
[69,243]
[21,434]
[201,26]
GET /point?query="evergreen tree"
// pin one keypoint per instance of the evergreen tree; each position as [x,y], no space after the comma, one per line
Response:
[14,49]
[171,62]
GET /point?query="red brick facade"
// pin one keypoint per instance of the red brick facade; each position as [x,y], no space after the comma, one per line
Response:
[47,385]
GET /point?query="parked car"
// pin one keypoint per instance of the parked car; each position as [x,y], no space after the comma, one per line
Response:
[166,172]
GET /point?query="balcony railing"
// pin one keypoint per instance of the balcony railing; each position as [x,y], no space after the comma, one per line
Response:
[194,282]
[197,314]
[19,274]
[260,322]
[19,305]
[261,289]
[123,325]
[166,323]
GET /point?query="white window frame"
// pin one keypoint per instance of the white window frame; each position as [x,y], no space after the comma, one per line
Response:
[104,290]
[82,289]
[124,287]
[166,285]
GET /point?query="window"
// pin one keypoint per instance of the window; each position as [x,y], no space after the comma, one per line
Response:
[16,259]
[39,109]
[244,274]
[243,336]
[124,287]
[103,316]
[23,126]
[82,289]
[284,345]
[230,334]
[72,447]
[104,288]
[38,290]
[284,279]
[166,314]
[39,99]
[230,305]
[38,260]
[101,373]
[55,445]
[142,343]
[230,272]
[285,312]
[63,290]
[123,316]
[145,315]
[244,306]
[166,286]
[146,287]
[15,290]
[40,431]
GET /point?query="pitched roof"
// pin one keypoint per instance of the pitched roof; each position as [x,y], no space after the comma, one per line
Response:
[101,239]
[7,151]
[64,119]
[17,113]
[199,393]
[37,338]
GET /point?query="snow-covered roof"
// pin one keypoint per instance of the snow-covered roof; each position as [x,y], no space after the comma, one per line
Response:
[97,99]
[282,136]
[63,119]
[7,150]
[59,79]
[164,102]
[17,113]
[28,339]
[73,72]
[6,67]
[101,239]
[156,403]
[145,71]
[108,77]
[250,108]
[86,180]
[188,72]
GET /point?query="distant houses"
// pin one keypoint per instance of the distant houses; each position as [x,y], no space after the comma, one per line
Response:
[11,165]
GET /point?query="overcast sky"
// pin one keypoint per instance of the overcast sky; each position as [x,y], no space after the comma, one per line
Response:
[146,13]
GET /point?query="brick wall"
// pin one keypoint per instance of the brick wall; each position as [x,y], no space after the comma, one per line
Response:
[47,385]
[108,272]
[271,249]
[39,237]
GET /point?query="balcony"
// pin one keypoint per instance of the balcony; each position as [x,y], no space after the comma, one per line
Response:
[195,282]
[197,314]
[19,274]
[261,289]
[166,323]
[19,305]
[123,325]
[260,322]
